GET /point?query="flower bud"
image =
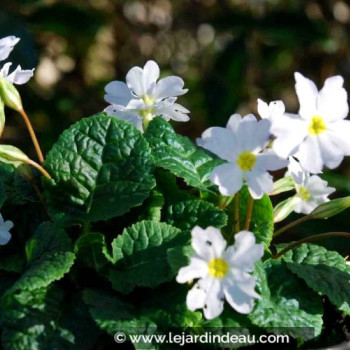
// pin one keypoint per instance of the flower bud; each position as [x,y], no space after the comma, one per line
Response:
[284,209]
[12,155]
[283,185]
[10,95]
[331,208]
[2,116]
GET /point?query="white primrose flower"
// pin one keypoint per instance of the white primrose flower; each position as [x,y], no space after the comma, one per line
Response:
[319,135]
[241,144]
[18,76]
[271,111]
[144,96]
[223,272]
[5,227]
[311,192]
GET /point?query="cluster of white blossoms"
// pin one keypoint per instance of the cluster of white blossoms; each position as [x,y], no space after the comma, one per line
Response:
[222,272]
[318,136]
[5,227]
[144,97]
[18,76]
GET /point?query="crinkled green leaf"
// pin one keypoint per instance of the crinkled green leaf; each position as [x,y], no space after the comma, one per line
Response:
[326,272]
[49,257]
[166,306]
[101,167]
[89,250]
[286,301]
[262,217]
[30,321]
[140,255]
[113,314]
[189,213]
[179,155]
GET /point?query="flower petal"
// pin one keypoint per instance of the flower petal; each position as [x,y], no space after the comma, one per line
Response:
[173,111]
[197,268]
[241,295]
[307,94]
[219,141]
[332,101]
[259,182]
[134,80]
[290,131]
[196,298]
[129,116]
[208,243]
[339,131]
[6,46]
[150,76]
[20,76]
[331,154]
[118,93]
[253,134]
[228,177]
[214,302]
[5,237]
[269,160]
[171,86]
[309,155]
[245,252]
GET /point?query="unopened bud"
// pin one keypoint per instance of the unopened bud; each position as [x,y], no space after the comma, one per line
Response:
[331,208]
[2,116]
[13,155]
[285,208]
[10,95]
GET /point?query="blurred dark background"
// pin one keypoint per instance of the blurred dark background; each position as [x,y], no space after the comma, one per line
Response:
[229,52]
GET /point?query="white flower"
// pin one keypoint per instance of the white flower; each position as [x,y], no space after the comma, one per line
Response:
[240,144]
[145,96]
[319,135]
[270,111]
[5,227]
[223,272]
[311,192]
[18,76]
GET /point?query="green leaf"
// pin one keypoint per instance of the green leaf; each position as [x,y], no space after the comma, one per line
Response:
[179,155]
[89,250]
[112,314]
[101,168]
[286,301]
[166,307]
[189,213]
[262,218]
[49,258]
[30,321]
[326,272]
[140,255]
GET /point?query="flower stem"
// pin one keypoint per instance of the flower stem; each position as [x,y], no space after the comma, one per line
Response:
[40,168]
[236,213]
[249,213]
[311,239]
[292,224]
[32,135]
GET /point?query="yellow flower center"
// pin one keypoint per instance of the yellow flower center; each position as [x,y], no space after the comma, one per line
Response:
[246,160]
[148,100]
[218,268]
[304,194]
[317,125]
